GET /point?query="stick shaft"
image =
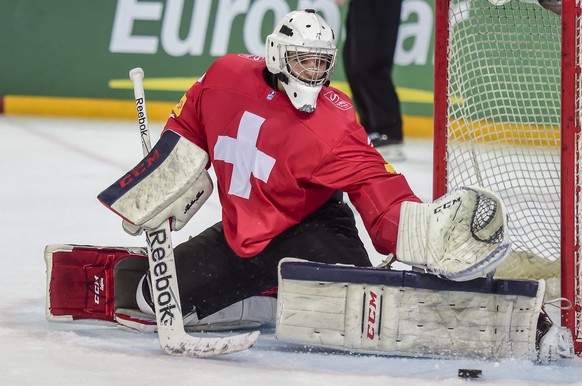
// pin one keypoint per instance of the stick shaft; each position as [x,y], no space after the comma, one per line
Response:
[162,267]
[137,76]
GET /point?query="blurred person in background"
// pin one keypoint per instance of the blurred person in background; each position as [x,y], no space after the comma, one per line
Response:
[368,56]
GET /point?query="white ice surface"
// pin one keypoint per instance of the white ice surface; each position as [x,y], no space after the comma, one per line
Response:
[51,173]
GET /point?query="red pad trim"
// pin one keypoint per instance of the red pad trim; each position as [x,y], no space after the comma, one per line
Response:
[136,320]
[81,282]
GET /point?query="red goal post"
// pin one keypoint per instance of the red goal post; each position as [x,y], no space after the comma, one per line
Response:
[507,116]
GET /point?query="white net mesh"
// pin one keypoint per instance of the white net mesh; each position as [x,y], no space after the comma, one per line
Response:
[506,66]
[504,115]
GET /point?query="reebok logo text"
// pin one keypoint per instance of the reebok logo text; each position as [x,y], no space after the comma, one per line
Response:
[165,300]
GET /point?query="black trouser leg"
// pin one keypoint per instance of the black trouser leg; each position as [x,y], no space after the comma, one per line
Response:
[372,31]
[211,276]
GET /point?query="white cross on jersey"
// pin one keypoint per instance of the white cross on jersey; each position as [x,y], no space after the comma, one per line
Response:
[243,154]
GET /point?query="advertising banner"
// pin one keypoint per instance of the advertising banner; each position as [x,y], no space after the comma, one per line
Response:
[76,54]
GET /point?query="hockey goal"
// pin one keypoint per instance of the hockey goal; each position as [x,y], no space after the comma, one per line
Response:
[507,117]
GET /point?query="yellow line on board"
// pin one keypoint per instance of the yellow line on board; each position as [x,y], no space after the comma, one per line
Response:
[413,126]
[506,133]
[157,84]
[82,107]
[407,95]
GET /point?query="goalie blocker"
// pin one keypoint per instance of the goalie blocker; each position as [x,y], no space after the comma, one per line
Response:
[171,182]
[373,310]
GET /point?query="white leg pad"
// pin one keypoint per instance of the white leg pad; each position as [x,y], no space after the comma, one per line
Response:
[407,313]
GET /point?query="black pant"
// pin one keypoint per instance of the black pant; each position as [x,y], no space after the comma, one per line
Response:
[211,276]
[371,33]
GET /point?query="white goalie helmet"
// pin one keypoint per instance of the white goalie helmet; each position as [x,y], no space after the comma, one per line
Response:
[302,52]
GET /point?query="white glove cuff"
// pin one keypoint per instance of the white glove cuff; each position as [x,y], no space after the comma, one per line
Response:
[412,233]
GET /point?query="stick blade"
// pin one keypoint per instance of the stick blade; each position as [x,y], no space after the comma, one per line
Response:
[191,346]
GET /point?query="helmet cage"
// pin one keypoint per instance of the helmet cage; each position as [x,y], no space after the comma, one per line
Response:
[302,53]
[311,66]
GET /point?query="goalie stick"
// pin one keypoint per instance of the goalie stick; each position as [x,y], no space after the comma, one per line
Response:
[173,338]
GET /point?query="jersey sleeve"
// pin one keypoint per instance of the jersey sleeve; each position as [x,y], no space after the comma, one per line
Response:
[185,118]
[373,186]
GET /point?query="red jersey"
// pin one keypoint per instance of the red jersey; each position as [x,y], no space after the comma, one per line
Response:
[275,165]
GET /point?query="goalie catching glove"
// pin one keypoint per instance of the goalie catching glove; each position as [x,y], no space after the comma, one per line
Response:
[171,182]
[461,236]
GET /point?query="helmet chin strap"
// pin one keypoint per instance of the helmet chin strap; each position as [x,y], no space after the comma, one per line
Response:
[282,77]
[271,79]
